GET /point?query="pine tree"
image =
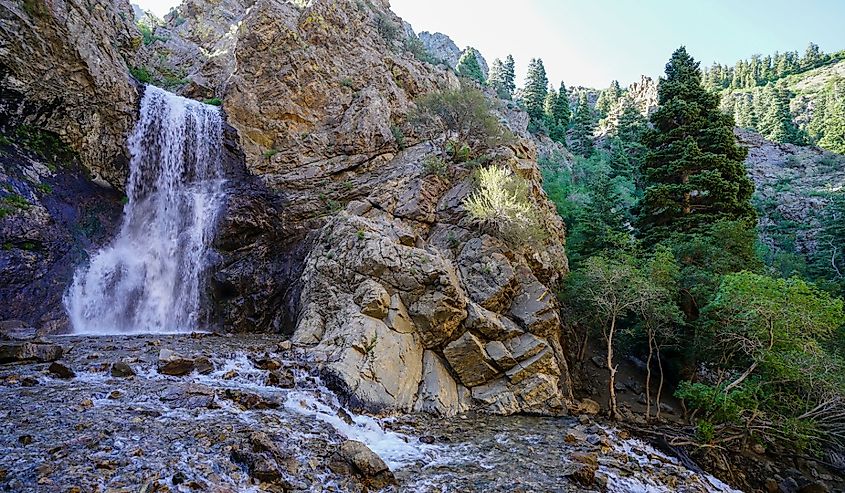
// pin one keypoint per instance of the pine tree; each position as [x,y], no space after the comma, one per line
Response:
[608,99]
[469,67]
[834,118]
[496,79]
[694,170]
[583,126]
[536,88]
[510,76]
[812,57]
[777,124]
[560,110]
[631,122]
[549,104]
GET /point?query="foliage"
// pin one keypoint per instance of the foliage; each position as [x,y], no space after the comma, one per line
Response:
[398,136]
[388,29]
[213,101]
[464,116]
[502,203]
[469,67]
[583,127]
[141,74]
[148,34]
[501,77]
[416,47]
[694,169]
[536,88]
[434,165]
[828,262]
[776,375]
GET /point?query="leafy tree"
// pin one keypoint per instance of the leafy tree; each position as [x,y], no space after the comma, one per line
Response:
[461,115]
[469,67]
[583,126]
[694,170]
[536,88]
[775,377]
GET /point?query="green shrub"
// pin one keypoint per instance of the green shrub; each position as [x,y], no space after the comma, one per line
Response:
[141,74]
[388,29]
[434,165]
[501,202]
[270,153]
[213,101]
[460,152]
[398,136]
[44,188]
[16,201]
[418,49]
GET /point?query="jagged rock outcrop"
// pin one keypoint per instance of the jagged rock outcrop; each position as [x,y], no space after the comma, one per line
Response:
[63,69]
[443,48]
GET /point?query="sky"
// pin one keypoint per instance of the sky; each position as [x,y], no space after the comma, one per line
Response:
[592,42]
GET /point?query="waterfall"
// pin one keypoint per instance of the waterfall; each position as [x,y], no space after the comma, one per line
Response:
[150,278]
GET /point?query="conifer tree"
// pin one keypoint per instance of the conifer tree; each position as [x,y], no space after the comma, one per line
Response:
[549,104]
[510,76]
[469,67]
[583,126]
[694,171]
[536,88]
[560,111]
[833,122]
[608,99]
[631,122]
[496,79]
[777,124]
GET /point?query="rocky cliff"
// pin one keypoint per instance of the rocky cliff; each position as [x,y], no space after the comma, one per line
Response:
[63,69]
[337,230]
[443,48]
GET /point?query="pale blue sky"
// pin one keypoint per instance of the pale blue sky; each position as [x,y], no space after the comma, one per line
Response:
[593,42]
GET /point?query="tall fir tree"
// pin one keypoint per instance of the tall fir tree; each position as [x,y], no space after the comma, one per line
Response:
[776,124]
[694,171]
[510,76]
[583,126]
[536,88]
[833,122]
[469,67]
[496,79]
[561,111]
[632,123]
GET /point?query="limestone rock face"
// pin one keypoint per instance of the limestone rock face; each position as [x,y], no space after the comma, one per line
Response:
[443,48]
[63,68]
[409,312]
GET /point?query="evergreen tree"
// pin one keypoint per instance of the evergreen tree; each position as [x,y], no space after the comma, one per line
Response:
[829,261]
[694,170]
[583,126]
[833,121]
[812,57]
[536,88]
[777,124]
[631,122]
[608,99]
[469,67]
[510,76]
[560,111]
[496,79]
[601,224]
[549,104]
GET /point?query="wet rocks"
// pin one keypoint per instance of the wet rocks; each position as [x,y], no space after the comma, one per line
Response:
[282,378]
[172,364]
[61,371]
[264,460]
[367,464]
[29,351]
[189,396]
[120,369]
[583,468]
[248,400]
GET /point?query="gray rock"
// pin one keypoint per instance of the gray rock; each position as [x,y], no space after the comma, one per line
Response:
[61,371]
[367,463]
[29,351]
[469,360]
[122,370]
[170,363]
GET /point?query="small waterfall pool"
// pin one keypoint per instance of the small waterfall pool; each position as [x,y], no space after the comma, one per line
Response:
[149,279]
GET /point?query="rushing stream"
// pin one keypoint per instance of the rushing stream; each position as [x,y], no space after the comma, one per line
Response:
[149,279]
[100,433]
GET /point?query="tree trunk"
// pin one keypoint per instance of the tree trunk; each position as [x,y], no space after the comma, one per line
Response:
[648,377]
[660,385]
[614,413]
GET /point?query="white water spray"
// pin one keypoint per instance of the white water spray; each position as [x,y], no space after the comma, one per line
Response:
[150,278]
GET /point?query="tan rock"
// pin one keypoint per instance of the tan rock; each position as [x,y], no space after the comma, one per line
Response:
[373,299]
[438,391]
[469,360]
[500,355]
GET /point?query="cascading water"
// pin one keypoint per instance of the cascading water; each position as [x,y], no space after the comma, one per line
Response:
[149,279]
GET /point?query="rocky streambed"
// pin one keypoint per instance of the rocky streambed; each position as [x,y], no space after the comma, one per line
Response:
[228,414]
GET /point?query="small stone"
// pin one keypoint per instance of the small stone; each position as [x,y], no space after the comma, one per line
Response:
[772,486]
[589,407]
[178,478]
[597,361]
[114,395]
[25,439]
[285,346]
[29,382]
[814,487]
[122,370]
[758,449]
[87,403]
[283,379]
[170,363]
[427,439]
[61,371]
[229,375]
